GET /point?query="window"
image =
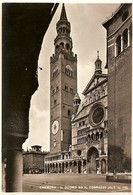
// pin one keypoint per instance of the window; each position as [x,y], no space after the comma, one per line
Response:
[125,38]
[69,112]
[55,73]
[55,101]
[67,46]
[53,91]
[57,48]
[118,45]
[71,89]
[66,88]
[57,88]
[68,70]
[82,123]
[62,45]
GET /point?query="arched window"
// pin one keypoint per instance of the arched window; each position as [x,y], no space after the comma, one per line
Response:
[71,90]
[101,135]
[62,45]
[125,38]
[97,135]
[55,72]
[69,112]
[67,46]
[66,88]
[68,70]
[118,45]
[57,48]
[92,136]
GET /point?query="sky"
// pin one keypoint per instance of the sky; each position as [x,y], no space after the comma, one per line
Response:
[88,36]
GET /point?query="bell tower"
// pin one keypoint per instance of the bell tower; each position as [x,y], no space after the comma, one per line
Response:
[63,86]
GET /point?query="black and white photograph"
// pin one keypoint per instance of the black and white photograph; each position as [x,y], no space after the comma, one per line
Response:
[66,97]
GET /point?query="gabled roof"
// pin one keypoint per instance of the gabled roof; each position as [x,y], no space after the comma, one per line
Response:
[88,89]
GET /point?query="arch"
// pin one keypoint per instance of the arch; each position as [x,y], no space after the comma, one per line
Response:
[118,45]
[92,156]
[69,67]
[125,38]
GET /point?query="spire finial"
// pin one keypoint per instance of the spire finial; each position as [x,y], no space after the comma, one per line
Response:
[63,15]
[97,54]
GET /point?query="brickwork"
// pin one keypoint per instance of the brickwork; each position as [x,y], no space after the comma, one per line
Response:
[119,84]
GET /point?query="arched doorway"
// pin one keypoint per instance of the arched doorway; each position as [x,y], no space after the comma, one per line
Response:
[103,166]
[92,159]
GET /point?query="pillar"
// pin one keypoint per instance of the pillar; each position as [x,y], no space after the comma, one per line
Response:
[72,167]
[115,49]
[14,170]
[129,37]
[121,43]
[82,168]
[106,166]
[99,165]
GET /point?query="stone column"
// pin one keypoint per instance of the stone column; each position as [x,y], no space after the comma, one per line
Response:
[121,43]
[115,53]
[72,167]
[99,166]
[64,167]
[14,170]
[77,167]
[106,166]
[61,167]
[14,165]
[81,166]
[129,37]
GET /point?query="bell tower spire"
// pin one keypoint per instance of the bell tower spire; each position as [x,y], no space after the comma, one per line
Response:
[63,41]
[98,65]
[63,15]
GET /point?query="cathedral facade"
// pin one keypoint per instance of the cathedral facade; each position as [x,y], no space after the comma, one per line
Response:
[78,130]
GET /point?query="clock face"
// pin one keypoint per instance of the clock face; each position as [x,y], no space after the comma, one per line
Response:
[55,127]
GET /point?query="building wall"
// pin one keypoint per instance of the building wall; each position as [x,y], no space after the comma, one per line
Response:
[33,162]
[119,90]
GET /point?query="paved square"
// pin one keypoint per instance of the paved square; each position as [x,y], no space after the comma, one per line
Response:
[71,183]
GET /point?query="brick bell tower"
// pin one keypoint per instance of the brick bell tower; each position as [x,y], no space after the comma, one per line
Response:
[63,86]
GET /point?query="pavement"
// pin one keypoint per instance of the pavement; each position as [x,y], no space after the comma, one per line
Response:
[71,183]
